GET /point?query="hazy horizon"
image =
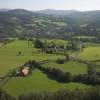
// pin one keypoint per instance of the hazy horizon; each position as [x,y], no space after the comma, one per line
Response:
[35,5]
[49,9]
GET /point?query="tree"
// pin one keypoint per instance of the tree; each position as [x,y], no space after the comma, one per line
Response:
[19,53]
[38,43]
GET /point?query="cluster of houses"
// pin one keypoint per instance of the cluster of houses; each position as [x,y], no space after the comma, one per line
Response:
[53,47]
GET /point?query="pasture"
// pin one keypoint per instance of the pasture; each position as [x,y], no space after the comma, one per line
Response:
[74,67]
[90,53]
[38,82]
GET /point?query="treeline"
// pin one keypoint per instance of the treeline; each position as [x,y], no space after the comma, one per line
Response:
[91,94]
[6,40]
[56,74]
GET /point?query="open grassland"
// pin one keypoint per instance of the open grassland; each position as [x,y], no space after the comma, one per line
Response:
[90,53]
[73,67]
[38,82]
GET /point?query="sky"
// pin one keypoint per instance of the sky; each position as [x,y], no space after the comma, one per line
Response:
[82,5]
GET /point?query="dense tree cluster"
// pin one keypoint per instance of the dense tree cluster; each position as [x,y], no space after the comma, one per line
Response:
[87,79]
[57,74]
[60,61]
[38,43]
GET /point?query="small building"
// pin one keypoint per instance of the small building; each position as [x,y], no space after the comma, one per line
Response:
[25,71]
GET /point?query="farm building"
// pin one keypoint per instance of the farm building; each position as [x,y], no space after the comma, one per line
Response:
[25,71]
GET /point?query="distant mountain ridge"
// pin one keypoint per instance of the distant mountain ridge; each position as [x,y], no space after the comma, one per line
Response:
[57,12]
[4,10]
[53,11]
[49,22]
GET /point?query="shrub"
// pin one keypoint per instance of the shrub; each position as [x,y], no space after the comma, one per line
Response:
[60,61]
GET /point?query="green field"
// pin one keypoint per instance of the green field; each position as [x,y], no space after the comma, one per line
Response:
[73,67]
[90,53]
[38,81]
